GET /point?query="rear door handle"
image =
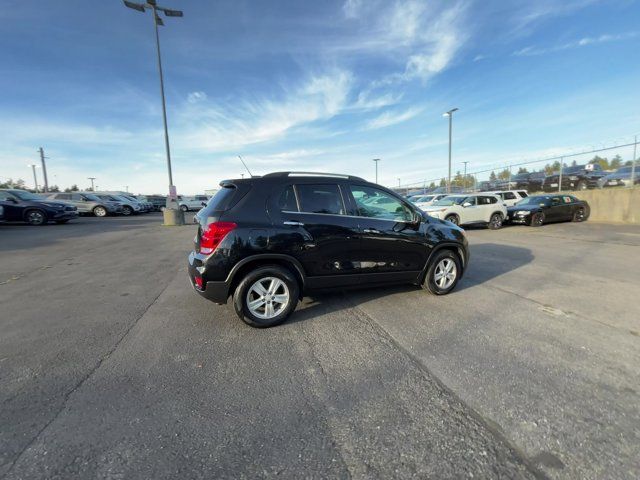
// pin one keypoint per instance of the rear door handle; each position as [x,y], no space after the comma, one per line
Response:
[371,230]
[296,224]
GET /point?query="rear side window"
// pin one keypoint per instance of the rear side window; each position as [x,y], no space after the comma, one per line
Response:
[320,199]
[287,201]
[487,200]
[223,198]
[523,194]
[509,196]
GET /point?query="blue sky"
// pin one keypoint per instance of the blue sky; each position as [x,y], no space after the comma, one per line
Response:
[311,85]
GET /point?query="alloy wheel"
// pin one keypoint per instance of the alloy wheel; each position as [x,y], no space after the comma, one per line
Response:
[496,221]
[267,298]
[36,217]
[445,273]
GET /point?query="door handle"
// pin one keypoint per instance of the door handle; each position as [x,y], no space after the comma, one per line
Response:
[371,230]
[296,224]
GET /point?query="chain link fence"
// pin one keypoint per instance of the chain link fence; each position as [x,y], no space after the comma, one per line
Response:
[602,167]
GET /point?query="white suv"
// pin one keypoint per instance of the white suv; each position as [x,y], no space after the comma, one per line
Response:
[424,201]
[192,203]
[478,208]
[511,197]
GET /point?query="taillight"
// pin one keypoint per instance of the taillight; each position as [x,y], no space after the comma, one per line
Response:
[213,235]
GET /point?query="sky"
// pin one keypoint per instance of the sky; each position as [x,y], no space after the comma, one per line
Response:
[307,85]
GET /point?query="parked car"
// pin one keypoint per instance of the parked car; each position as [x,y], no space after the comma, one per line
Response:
[129,207]
[531,181]
[87,202]
[266,241]
[1,214]
[620,178]
[577,177]
[23,206]
[511,197]
[192,203]
[537,210]
[477,208]
[424,201]
[128,199]
[158,202]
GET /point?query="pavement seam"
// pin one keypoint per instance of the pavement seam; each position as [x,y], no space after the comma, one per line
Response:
[82,381]
[488,424]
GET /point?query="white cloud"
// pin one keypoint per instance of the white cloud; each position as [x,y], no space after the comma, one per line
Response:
[389,118]
[351,8]
[195,97]
[532,51]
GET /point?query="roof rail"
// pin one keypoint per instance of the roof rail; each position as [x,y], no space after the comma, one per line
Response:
[314,174]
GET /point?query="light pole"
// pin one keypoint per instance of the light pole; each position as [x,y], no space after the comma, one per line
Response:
[633,162]
[93,188]
[44,170]
[464,179]
[450,115]
[376,160]
[398,183]
[154,7]
[35,178]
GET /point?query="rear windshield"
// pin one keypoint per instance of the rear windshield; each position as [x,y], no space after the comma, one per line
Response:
[222,198]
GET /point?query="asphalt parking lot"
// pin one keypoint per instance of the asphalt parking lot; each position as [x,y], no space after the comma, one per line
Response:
[111,367]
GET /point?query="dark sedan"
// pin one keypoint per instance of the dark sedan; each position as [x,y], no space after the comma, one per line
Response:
[23,206]
[576,177]
[540,209]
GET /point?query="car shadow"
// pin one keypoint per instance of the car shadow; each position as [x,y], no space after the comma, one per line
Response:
[487,261]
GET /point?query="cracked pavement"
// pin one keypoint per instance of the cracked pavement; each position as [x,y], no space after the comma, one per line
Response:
[112,367]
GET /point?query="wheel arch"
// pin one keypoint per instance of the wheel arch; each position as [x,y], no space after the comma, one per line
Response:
[31,209]
[255,261]
[456,248]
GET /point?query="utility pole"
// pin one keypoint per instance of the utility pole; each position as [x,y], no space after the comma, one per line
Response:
[464,179]
[560,176]
[93,189]
[376,160]
[450,115]
[35,178]
[127,188]
[633,162]
[398,183]
[44,170]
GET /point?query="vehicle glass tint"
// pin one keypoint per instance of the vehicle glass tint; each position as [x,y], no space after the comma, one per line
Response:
[63,196]
[77,197]
[27,196]
[320,199]
[450,200]
[4,196]
[509,196]
[374,203]
[287,201]
[484,200]
[222,198]
[523,194]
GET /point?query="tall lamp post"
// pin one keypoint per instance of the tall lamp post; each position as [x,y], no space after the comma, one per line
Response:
[93,188]
[376,160]
[450,115]
[464,179]
[35,178]
[172,217]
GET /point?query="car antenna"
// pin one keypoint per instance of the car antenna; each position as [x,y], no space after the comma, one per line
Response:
[245,165]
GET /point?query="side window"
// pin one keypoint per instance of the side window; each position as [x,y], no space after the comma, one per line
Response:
[555,201]
[77,197]
[472,200]
[287,201]
[63,196]
[4,196]
[509,196]
[374,203]
[523,194]
[320,199]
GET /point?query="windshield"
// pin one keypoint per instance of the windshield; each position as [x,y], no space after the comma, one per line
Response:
[450,200]
[427,198]
[90,196]
[576,169]
[24,195]
[535,200]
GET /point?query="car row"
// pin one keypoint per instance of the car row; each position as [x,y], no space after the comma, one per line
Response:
[22,206]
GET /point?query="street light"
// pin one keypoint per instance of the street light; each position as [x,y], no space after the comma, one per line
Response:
[154,7]
[376,160]
[450,115]
[35,178]
[464,179]
[93,188]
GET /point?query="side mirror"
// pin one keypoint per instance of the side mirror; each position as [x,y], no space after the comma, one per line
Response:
[466,204]
[12,200]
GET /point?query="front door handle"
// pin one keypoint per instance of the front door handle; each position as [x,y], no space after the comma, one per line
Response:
[371,230]
[296,224]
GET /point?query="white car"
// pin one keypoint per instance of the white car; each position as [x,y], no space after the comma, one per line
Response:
[192,203]
[511,197]
[478,208]
[424,201]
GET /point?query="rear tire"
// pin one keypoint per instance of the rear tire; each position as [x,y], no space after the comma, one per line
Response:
[453,219]
[35,217]
[537,220]
[127,210]
[443,273]
[579,215]
[495,222]
[184,208]
[266,297]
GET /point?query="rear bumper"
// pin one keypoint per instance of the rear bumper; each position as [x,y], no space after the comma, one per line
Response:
[217,292]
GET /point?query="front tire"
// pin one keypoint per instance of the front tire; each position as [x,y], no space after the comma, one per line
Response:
[36,217]
[453,219]
[579,215]
[100,211]
[127,210]
[537,220]
[495,222]
[184,208]
[443,273]
[266,297]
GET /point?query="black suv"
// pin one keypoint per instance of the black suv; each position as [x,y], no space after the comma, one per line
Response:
[23,206]
[268,240]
